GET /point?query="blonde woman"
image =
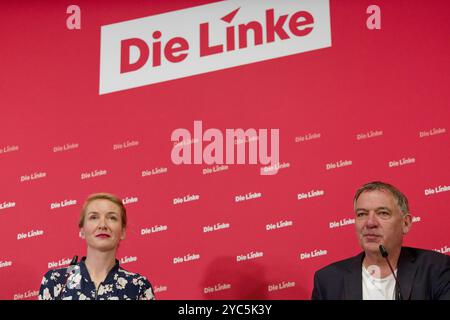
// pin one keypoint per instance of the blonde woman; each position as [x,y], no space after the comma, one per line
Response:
[102,224]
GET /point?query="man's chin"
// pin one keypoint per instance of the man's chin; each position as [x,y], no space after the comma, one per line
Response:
[373,247]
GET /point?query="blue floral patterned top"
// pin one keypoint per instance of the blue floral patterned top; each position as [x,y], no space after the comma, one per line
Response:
[74,283]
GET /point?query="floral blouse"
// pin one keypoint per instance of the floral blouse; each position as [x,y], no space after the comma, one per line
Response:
[74,283]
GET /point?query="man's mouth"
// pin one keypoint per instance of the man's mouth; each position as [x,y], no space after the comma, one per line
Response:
[372,236]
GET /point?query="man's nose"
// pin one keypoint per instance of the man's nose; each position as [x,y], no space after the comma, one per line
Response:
[372,220]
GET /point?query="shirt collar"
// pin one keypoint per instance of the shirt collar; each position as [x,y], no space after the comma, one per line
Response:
[85,273]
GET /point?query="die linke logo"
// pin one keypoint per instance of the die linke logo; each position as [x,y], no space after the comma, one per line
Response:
[208,38]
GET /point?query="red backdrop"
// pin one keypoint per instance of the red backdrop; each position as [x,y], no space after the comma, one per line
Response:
[389,84]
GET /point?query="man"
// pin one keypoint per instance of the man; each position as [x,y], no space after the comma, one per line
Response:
[382,218]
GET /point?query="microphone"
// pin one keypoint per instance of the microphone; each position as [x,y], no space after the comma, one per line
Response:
[384,254]
[72,265]
[74,262]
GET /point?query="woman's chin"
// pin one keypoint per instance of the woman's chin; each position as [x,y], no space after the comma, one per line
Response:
[103,247]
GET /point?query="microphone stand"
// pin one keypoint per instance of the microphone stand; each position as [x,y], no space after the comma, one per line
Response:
[398,291]
[73,263]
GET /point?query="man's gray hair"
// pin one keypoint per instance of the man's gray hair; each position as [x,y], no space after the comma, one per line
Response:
[402,201]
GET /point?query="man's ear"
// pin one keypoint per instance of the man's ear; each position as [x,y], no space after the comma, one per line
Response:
[407,223]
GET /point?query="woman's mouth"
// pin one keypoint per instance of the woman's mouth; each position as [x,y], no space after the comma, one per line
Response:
[103,236]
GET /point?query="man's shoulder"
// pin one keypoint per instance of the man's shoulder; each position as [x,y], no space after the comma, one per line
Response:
[341,267]
[425,254]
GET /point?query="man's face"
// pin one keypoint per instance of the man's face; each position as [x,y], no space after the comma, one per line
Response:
[380,221]
[103,225]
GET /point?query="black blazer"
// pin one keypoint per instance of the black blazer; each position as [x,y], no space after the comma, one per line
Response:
[422,274]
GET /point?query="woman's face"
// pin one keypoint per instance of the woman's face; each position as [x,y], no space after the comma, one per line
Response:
[102,227]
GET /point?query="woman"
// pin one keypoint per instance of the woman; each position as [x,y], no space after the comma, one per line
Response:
[102,224]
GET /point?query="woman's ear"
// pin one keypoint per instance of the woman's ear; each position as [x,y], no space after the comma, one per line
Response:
[124,233]
[82,233]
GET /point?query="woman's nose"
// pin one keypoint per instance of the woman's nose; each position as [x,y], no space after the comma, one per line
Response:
[102,223]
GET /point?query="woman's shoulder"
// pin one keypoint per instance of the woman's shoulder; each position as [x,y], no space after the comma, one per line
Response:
[136,281]
[59,275]
[132,277]
[55,274]
[52,281]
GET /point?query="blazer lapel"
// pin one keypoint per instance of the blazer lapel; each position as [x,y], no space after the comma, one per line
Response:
[353,279]
[406,272]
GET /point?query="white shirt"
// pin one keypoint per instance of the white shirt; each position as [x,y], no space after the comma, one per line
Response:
[376,288]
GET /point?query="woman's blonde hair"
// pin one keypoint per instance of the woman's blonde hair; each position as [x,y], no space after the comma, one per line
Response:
[103,196]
